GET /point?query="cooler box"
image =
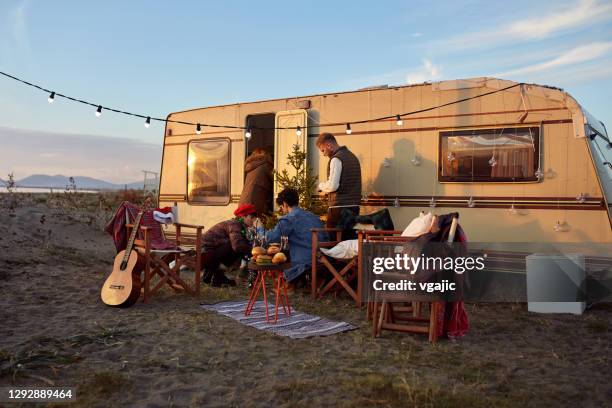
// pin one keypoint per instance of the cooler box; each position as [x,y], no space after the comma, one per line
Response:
[556,283]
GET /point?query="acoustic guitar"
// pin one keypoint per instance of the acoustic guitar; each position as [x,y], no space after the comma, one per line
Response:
[122,287]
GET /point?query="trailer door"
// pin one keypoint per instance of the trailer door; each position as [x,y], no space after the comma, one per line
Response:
[284,139]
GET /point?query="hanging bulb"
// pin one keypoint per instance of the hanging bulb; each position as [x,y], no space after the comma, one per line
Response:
[512,210]
[450,157]
[348,129]
[581,198]
[247,134]
[147,122]
[365,197]
[386,162]
[51,97]
[432,203]
[199,129]
[396,202]
[471,202]
[416,160]
[298,131]
[399,120]
[539,174]
[493,161]
[99,111]
[560,226]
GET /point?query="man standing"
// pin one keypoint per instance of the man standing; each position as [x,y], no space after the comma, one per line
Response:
[343,184]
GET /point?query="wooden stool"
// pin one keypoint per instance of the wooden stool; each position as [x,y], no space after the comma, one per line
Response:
[280,288]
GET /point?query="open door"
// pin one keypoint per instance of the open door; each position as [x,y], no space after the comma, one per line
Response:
[284,139]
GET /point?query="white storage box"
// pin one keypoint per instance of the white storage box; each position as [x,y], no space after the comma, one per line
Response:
[553,280]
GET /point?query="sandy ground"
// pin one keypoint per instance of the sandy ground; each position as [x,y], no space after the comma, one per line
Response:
[54,330]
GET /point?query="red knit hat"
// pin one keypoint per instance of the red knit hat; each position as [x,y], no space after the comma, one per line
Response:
[245,209]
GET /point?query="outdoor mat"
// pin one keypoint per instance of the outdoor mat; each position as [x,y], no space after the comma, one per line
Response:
[297,326]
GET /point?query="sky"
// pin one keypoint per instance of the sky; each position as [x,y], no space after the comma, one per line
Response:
[154,58]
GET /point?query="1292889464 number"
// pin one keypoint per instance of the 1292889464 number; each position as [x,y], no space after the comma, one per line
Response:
[29,394]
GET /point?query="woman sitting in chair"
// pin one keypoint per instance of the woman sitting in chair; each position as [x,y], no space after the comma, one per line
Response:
[295,225]
[226,243]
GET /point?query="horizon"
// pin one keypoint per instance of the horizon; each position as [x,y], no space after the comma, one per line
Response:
[145,70]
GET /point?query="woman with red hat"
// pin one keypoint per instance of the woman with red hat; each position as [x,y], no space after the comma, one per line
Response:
[226,243]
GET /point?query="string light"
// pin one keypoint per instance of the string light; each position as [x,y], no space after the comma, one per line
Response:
[396,202]
[298,131]
[51,97]
[247,134]
[471,203]
[198,129]
[147,122]
[399,120]
[432,203]
[416,160]
[298,128]
[348,129]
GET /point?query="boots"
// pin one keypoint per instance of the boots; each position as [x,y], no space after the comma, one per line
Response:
[219,279]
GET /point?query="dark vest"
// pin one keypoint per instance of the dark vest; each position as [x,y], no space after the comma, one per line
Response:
[349,189]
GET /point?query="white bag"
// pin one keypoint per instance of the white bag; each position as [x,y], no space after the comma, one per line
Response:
[420,225]
[343,250]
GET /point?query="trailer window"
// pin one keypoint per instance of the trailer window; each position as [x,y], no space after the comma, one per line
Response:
[489,155]
[208,172]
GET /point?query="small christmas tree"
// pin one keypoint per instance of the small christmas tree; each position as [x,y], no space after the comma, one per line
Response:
[302,180]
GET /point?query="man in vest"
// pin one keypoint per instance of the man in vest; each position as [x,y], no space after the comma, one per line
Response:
[343,185]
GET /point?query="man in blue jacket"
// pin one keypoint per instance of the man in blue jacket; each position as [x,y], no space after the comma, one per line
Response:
[296,225]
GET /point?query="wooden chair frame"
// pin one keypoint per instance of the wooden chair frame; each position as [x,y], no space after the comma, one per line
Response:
[157,262]
[341,277]
[397,316]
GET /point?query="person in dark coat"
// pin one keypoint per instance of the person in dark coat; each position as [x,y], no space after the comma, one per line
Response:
[225,243]
[258,182]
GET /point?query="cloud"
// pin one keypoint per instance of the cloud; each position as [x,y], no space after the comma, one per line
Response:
[417,35]
[427,72]
[583,13]
[14,33]
[574,56]
[118,160]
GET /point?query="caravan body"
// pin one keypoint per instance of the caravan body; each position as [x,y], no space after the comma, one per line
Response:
[519,164]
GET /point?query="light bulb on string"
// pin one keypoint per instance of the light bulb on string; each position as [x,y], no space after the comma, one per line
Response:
[51,97]
[298,131]
[198,129]
[539,174]
[399,120]
[147,122]
[512,210]
[432,202]
[493,161]
[348,129]
[247,134]
[99,111]
[396,202]
[416,160]
[471,202]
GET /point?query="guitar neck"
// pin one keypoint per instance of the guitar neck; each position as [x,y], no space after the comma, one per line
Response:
[130,243]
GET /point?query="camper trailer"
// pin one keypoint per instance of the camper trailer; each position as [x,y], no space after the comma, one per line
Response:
[519,162]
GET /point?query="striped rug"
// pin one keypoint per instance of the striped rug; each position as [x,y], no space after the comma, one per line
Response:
[297,326]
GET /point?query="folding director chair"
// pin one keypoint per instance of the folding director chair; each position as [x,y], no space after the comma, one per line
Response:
[156,255]
[411,317]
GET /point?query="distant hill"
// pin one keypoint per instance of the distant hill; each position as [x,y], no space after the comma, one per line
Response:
[60,181]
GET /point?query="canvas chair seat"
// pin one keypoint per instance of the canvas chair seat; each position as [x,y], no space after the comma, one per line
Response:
[162,259]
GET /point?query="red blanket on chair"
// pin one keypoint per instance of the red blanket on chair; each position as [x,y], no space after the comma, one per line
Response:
[126,214]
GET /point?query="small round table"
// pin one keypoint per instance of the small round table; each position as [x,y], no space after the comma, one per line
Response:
[280,287]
